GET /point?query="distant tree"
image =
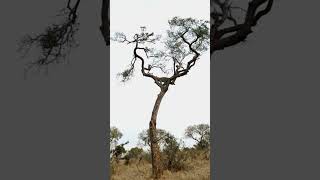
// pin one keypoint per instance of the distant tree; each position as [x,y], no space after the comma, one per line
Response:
[144,137]
[118,151]
[200,133]
[115,135]
[133,153]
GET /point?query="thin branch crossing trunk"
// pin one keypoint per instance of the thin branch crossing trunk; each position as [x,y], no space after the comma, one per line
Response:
[157,168]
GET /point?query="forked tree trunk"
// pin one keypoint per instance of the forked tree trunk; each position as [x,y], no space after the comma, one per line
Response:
[157,169]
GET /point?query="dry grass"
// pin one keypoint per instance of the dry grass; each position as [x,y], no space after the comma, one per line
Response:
[197,168]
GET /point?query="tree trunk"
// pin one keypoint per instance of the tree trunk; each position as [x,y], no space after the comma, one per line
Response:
[157,168]
[105,21]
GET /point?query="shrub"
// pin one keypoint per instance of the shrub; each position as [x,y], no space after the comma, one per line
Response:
[118,151]
[134,153]
[174,159]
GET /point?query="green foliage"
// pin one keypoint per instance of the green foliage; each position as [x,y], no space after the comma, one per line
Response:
[118,151]
[196,153]
[186,37]
[145,139]
[133,153]
[115,134]
[191,29]
[201,134]
[146,155]
[174,158]
[191,152]
[203,144]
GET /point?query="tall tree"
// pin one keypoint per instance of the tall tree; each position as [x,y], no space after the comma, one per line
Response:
[226,30]
[185,41]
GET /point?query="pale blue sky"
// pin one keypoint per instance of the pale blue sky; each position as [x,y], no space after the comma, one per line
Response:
[186,103]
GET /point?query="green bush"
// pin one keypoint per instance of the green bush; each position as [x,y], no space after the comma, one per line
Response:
[134,153]
[173,157]
[118,151]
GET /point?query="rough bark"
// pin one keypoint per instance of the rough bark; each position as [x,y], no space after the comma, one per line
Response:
[157,168]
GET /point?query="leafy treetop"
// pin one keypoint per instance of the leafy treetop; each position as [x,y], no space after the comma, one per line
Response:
[185,40]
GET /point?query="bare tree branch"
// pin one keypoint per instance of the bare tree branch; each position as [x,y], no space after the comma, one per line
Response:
[187,37]
[239,31]
[55,42]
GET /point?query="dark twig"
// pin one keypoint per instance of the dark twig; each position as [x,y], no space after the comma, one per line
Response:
[55,42]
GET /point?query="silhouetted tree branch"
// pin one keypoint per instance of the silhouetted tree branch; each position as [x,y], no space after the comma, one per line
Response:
[105,21]
[225,35]
[56,41]
[186,39]
[226,30]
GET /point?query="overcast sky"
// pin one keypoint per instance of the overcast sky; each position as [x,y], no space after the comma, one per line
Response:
[186,103]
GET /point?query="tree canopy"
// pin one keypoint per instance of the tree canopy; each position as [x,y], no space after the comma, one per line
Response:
[181,47]
[115,134]
[144,137]
[200,133]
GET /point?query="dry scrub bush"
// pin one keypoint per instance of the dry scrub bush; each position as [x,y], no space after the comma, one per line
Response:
[196,168]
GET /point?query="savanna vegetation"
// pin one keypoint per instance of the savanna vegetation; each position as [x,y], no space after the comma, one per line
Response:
[179,162]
